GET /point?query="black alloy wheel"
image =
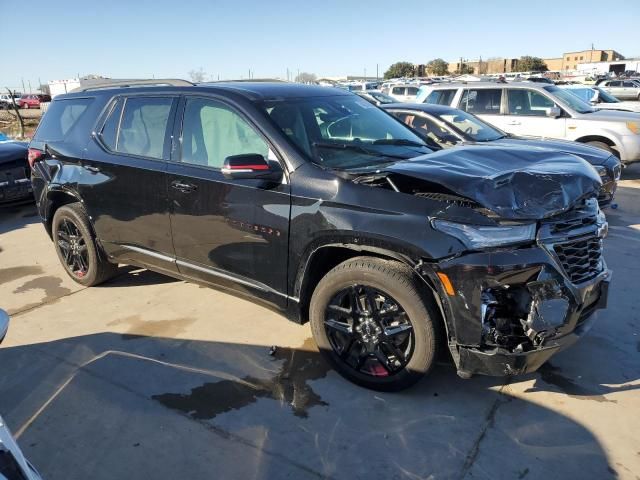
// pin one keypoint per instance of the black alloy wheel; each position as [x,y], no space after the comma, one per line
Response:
[77,249]
[73,248]
[375,323]
[369,331]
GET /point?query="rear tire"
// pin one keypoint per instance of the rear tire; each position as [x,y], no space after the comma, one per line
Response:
[77,249]
[398,300]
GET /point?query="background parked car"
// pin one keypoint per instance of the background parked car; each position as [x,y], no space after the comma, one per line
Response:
[601,99]
[15,174]
[622,89]
[6,102]
[403,93]
[376,97]
[449,127]
[33,100]
[539,110]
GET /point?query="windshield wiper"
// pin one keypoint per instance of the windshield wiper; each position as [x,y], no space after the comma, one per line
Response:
[399,141]
[354,146]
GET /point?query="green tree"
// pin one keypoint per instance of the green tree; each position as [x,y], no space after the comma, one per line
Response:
[305,77]
[400,69]
[438,66]
[531,64]
[465,69]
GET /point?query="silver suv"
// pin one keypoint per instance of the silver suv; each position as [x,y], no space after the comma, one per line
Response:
[622,89]
[545,111]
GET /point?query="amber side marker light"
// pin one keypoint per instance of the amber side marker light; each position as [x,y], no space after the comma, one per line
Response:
[446,283]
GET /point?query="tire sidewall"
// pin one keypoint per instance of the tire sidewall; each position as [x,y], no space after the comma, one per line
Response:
[423,329]
[79,219]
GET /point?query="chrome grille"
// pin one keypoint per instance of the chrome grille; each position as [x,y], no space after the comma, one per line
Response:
[580,259]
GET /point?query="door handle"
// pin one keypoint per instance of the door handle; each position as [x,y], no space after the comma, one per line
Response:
[183,187]
[513,122]
[91,168]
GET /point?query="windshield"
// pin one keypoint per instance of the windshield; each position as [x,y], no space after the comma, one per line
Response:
[344,131]
[606,97]
[569,99]
[470,127]
[382,98]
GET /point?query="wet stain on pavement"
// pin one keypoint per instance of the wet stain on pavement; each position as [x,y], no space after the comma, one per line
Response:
[52,287]
[289,386]
[553,376]
[139,327]
[13,273]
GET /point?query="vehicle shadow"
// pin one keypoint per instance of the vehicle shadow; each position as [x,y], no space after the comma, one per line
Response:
[13,217]
[133,406]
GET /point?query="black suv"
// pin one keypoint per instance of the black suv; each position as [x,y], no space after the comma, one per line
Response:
[329,209]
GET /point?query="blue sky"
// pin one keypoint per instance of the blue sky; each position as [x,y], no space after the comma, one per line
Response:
[164,38]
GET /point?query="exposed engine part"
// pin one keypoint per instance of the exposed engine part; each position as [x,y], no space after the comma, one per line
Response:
[548,310]
[503,313]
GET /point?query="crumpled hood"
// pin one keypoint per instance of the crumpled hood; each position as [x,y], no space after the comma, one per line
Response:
[11,151]
[515,183]
[593,155]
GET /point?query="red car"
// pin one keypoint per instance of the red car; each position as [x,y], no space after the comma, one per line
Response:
[33,100]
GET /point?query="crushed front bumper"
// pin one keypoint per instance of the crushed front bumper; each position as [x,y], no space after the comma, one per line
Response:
[514,308]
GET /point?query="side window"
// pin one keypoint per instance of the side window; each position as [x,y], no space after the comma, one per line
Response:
[615,84]
[62,117]
[528,102]
[482,101]
[629,84]
[441,97]
[143,127]
[109,132]
[427,127]
[211,132]
[397,90]
[413,91]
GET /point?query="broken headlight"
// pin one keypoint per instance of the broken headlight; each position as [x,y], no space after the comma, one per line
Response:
[478,236]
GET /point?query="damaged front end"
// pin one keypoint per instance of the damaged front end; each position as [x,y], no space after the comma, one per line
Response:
[524,269]
[511,309]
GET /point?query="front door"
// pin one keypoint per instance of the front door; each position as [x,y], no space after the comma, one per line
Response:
[228,232]
[124,185]
[527,115]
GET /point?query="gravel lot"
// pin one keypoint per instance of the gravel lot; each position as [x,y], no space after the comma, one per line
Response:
[149,377]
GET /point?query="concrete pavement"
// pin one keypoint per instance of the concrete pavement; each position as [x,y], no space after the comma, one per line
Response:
[150,376]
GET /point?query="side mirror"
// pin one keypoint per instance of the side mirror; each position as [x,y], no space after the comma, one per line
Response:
[251,166]
[4,324]
[553,112]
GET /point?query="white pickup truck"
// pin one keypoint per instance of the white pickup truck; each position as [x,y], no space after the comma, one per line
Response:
[5,100]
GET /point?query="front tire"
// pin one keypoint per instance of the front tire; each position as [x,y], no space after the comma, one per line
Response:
[77,249]
[373,323]
[603,146]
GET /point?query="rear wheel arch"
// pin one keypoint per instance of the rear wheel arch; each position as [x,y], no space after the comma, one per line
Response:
[56,199]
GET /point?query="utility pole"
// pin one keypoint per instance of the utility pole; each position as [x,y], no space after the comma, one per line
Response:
[377,76]
[30,91]
[23,89]
[365,74]
[287,74]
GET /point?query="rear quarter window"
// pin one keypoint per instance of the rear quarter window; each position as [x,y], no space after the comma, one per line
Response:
[61,119]
[441,97]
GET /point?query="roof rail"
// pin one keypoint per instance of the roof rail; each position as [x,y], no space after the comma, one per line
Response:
[158,82]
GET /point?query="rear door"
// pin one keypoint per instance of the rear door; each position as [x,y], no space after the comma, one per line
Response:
[486,103]
[228,232]
[527,115]
[124,184]
[630,90]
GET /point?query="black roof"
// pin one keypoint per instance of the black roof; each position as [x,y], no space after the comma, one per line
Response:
[249,90]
